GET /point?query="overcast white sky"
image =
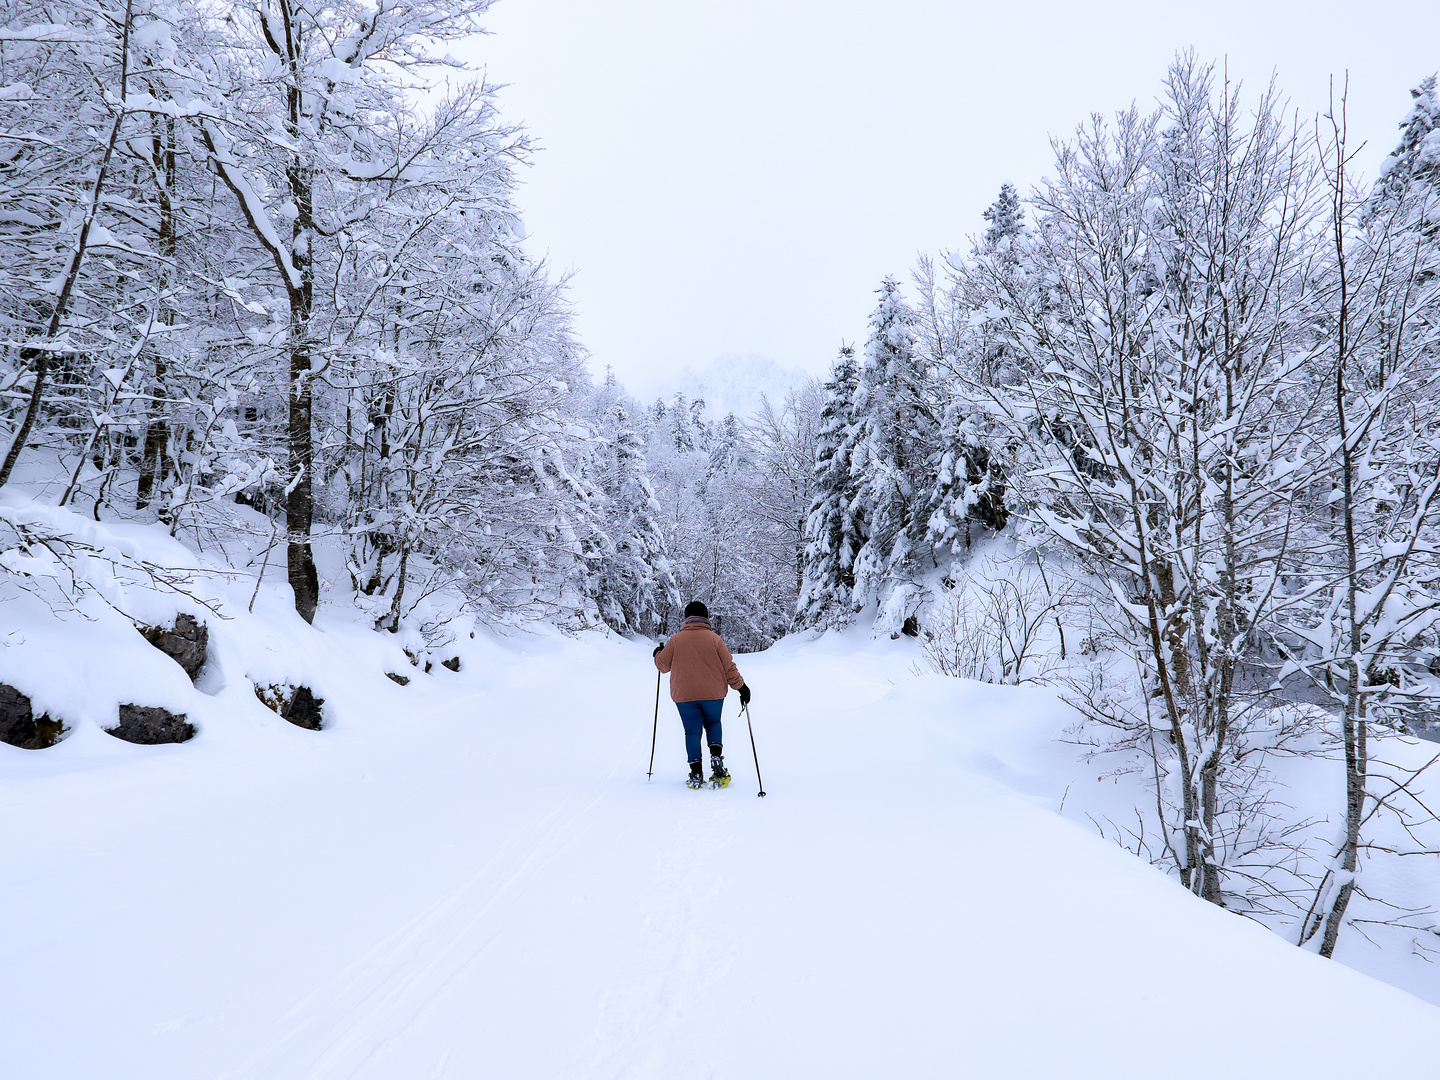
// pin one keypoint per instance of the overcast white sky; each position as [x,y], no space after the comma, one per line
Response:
[736,177]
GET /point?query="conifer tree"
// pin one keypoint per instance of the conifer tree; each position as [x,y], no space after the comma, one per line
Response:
[969,485]
[993,361]
[897,432]
[634,580]
[1006,217]
[1404,207]
[969,480]
[682,424]
[1415,162]
[833,531]
[725,447]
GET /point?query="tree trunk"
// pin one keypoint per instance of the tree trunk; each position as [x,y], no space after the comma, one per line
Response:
[155,463]
[1354,808]
[800,557]
[41,360]
[300,502]
[1354,718]
[395,605]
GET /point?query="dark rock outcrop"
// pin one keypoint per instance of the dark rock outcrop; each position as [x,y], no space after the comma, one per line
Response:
[19,725]
[453,663]
[403,680]
[304,709]
[150,725]
[185,643]
[295,703]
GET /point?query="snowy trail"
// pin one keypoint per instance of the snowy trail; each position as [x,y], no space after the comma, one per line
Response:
[500,893]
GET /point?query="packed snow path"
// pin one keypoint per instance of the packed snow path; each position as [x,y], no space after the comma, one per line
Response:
[485,885]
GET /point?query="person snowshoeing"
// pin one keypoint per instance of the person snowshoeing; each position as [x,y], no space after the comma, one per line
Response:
[701,672]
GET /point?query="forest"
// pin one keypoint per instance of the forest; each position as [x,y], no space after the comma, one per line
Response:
[1198,368]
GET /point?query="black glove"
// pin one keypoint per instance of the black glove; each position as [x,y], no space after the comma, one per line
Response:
[658,649]
[744,695]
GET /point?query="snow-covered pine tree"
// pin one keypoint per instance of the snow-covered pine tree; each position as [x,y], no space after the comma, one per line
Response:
[969,485]
[682,424]
[699,426]
[992,360]
[897,434]
[1409,181]
[1400,224]
[1005,217]
[980,367]
[724,446]
[834,529]
[632,581]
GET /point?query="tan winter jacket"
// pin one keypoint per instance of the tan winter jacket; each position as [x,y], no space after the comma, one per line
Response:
[699,664]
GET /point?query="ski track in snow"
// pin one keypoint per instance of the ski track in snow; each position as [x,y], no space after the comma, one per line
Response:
[502,894]
[369,1007]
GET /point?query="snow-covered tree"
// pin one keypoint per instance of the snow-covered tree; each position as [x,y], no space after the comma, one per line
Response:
[991,359]
[1005,217]
[1409,181]
[1171,352]
[834,527]
[1375,569]
[896,435]
[455,444]
[73,266]
[686,424]
[269,253]
[632,581]
[782,447]
[976,370]
[333,82]
[969,480]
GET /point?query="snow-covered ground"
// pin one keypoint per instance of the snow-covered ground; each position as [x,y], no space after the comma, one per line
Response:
[471,876]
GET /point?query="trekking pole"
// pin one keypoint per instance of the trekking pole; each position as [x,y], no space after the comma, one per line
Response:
[654,729]
[746,711]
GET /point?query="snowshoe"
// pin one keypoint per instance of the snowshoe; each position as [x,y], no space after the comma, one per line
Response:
[696,779]
[719,777]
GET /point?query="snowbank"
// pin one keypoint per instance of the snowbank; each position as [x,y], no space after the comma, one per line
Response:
[471,876]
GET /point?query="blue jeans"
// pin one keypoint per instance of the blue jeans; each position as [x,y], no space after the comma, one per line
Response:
[698,715]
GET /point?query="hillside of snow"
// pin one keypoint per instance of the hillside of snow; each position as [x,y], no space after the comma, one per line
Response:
[471,875]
